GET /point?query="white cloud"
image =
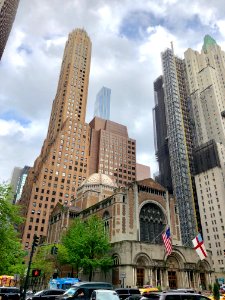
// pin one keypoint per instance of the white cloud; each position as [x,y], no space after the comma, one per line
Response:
[126,63]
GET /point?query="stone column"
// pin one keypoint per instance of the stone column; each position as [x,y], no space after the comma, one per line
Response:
[199,281]
[210,278]
[196,280]
[161,276]
[186,279]
[134,277]
[189,279]
[167,279]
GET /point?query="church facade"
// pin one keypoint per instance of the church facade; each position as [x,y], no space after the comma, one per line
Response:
[135,218]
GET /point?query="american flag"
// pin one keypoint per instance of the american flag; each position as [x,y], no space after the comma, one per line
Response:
[167,241]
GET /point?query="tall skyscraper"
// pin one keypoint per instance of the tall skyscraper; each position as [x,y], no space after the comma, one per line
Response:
[15,177]
[206,77]
[102,104]
[112,152]
[180,146]
[62,164]
[21,182]
[160,136]
[8,10]
[17,181]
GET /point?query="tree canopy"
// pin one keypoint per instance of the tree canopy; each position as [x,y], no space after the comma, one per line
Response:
[87,245]
[11,252]
[47,262]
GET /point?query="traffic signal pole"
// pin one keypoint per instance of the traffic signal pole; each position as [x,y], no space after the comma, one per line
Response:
[34,244]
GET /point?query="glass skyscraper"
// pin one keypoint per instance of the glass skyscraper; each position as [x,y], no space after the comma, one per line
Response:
[102,103]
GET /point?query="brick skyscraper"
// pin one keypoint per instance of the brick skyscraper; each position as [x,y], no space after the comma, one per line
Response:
[8,10]
[112,152]
[62,164]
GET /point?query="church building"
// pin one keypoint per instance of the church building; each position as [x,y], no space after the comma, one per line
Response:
[135,217]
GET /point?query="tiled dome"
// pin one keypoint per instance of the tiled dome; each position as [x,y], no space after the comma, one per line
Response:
[97,179]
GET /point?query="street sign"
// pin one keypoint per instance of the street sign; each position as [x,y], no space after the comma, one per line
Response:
[123,275]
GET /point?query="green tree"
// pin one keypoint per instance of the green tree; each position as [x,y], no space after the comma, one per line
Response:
[216,291]
[87,245]
[48,262]
[11,252]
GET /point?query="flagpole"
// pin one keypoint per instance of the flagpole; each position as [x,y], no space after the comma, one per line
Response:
[158,235]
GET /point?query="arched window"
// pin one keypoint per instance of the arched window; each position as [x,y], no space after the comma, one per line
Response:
[106,217]
[116,260]
[152,223]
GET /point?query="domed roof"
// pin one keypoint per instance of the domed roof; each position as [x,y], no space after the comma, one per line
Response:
[97,179]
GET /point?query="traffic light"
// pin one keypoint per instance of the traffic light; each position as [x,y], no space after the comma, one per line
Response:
[36,273]
[35,241]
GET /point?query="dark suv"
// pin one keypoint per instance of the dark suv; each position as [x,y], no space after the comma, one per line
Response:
[174,296]
[125,293]
[46,294]
[9,293]
[83,290]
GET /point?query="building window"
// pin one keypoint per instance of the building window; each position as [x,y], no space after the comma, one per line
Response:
[152,223]
[106,217]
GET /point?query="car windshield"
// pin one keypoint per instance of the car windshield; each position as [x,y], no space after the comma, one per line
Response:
[70,292]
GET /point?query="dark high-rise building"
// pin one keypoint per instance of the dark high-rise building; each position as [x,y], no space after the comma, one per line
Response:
[161,137]
[175,141]
[62,164]
[8,10]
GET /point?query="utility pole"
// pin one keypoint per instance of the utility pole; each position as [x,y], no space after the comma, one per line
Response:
[34,245]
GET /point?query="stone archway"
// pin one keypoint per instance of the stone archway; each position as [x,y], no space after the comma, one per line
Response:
[115,269]
[142,262]
[204,274]
[173,270]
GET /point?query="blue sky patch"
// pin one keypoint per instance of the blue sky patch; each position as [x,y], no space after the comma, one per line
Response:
[13,116]
[24,48]
[134,25]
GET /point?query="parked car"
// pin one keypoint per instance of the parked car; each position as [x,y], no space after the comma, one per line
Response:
[174,296]
[83,290]
[126,292]
[104,295]
[46,294]
[9,293]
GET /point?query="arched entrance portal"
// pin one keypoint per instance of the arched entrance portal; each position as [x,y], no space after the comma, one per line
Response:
[142,263]
[203,271]
[173,267]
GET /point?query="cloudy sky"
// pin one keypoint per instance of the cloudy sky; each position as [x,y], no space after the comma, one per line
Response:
[127,38]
